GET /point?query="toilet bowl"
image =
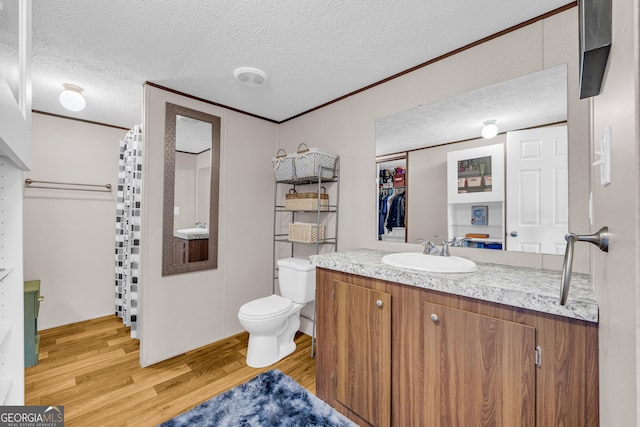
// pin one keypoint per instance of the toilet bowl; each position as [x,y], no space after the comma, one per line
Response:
[273,321]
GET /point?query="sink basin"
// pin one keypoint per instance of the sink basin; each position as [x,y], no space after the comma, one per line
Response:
[431,263]
[192,233]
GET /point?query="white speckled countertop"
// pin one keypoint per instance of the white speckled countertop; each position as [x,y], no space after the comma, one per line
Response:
[191,234]
[529,288]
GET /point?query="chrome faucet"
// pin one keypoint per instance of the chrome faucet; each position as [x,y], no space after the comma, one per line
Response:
[445,247]
[429,247]
[453,242]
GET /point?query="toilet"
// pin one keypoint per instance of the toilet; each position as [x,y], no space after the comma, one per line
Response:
[273,321]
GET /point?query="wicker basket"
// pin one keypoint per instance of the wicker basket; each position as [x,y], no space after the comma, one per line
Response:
[283,166]
[306,232]
[291,200]
[306,201]
[313,162]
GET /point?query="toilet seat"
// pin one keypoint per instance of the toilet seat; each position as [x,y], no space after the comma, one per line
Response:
[266,307]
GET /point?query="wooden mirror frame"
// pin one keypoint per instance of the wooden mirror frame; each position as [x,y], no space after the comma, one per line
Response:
[168,265]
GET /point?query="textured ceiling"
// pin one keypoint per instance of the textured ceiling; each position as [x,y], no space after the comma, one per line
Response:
[313,51]
[536,99]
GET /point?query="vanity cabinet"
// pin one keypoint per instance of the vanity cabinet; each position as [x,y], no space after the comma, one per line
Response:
[360,326]
[453,360]
[483,362]
[193,250]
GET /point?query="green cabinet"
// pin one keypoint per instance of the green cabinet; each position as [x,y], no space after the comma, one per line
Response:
[32,300]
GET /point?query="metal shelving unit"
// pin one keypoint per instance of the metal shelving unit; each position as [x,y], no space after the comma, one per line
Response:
[280,238]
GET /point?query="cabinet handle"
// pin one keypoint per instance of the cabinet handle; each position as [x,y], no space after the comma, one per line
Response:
[379,303]
[434,317]
[41,299]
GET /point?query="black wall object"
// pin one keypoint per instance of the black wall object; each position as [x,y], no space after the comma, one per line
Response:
[595,43]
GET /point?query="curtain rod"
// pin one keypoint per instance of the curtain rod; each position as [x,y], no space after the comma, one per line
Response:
[29,181]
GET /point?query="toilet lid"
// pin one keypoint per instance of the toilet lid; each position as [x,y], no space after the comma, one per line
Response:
[270,306]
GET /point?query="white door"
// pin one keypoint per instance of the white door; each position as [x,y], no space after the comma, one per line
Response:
[537,190]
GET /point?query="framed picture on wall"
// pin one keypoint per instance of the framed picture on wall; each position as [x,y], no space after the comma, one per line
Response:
[479,215]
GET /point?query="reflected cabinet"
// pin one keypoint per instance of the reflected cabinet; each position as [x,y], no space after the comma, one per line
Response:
[475,196]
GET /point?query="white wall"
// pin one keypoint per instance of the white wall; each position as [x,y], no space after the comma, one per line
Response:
[69,235]
[186,179]
[186,311]
[348,127]
[616,273]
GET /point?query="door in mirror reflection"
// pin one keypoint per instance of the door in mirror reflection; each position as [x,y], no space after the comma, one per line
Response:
[191,190]
[392,198]
[537,213]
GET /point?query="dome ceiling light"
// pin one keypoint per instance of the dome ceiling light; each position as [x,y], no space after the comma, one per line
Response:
[71,98]
[490,129]
[250,76]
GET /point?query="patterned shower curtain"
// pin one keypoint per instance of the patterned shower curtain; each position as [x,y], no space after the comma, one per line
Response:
[127,261]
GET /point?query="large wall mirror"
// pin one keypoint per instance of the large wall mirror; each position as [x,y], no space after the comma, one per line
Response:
[509,192]
[191,186]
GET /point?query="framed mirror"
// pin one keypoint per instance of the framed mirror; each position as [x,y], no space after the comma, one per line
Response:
[191,189]
[448,196]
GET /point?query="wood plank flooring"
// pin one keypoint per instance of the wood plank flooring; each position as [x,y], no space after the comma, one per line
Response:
[92,369]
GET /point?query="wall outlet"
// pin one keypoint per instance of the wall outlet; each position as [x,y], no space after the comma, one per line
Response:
[176,210]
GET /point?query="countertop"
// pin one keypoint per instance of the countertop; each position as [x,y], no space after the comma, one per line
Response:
[528,288]
[189,234]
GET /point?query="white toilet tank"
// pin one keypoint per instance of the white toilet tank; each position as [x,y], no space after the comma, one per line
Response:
[297,279]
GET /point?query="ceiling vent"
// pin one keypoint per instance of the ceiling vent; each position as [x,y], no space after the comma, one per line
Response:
[250,76]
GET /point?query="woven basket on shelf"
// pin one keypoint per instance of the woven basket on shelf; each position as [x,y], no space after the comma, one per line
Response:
[306,232]
[306,201]
[283,166]
[313,162]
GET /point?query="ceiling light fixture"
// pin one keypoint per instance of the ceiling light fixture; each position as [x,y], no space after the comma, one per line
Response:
[250,76]
[490,129]
[71,98]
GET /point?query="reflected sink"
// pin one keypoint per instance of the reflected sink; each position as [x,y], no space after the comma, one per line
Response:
[430,263]
[191,233]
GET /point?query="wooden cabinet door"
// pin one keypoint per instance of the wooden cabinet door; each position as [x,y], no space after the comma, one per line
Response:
[179,251]
[198,250]
[478,370]
[363,330]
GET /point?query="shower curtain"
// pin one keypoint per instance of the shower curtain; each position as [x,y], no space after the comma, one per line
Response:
[127,258]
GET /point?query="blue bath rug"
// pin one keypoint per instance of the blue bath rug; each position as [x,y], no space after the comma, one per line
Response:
[270,399]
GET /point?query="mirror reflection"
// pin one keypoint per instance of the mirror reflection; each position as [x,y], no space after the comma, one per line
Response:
[191,188]
[519,202]
[392,198]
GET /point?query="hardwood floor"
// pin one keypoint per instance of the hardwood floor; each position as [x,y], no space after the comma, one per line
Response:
[92,369]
